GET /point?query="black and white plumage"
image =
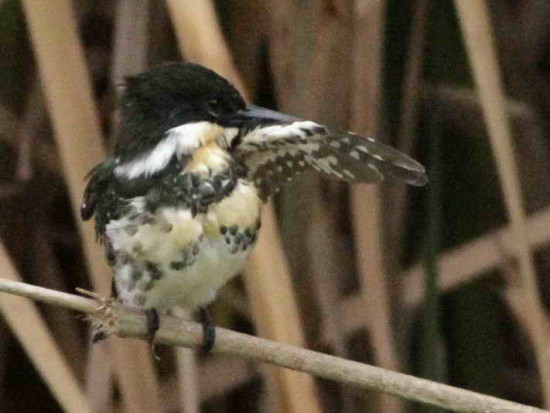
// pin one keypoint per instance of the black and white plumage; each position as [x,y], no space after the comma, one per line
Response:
[178,204]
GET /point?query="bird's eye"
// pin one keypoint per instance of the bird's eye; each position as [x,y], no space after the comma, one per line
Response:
[213,106]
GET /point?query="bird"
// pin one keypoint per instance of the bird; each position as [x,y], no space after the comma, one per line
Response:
[178,204]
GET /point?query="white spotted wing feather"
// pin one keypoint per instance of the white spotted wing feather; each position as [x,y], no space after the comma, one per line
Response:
[275,153]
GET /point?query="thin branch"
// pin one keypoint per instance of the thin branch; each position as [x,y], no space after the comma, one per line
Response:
[127,322]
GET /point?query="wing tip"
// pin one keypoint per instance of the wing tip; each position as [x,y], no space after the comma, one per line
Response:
[416,172]
[420,179]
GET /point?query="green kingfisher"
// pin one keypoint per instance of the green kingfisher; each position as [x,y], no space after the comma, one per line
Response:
[178,205]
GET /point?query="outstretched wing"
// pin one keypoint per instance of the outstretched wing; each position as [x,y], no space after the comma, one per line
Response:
[275,148]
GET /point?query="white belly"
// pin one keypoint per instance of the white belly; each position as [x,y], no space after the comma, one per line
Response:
[146,275]
[196,285]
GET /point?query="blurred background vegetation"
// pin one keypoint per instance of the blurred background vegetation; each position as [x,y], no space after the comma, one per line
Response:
[417,280]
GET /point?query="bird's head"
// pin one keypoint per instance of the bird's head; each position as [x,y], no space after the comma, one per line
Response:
[171,95]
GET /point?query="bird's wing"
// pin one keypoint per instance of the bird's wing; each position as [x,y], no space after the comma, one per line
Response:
[275,147]
[98,181]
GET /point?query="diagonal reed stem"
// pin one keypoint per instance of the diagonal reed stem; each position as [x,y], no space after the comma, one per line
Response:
[477,32]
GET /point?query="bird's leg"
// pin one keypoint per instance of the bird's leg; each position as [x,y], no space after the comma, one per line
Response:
[153,324]
[98,336]
[208,330]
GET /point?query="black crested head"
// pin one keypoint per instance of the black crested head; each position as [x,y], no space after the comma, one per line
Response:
[168,96]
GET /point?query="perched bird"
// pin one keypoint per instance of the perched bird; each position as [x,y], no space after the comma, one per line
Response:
[177,206]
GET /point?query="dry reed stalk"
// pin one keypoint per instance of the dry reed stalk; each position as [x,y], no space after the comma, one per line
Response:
[267,275]
[129,44]
[460,265]
[462,113]
[136,374]
[200,37]
[409,119]
[476,257]
[129,56]
[246,31]
[69,96]
[189,395]
[68,93]
[365,199]
[211,382]
[325,73]
[32,119]
[47,273]
[43,155]
[187,372]
[99,379]
[9,125]
[319,246]
[464,101]
[129,323]
[310,64]
[477,32]
[130,39]
[275,313]
[515,299]
[290,49]
[25,321]
[289,46]
[325,268]
[413,77]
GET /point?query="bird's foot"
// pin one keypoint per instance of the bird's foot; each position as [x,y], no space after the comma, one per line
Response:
[153,324]
[105,321]
[208,331]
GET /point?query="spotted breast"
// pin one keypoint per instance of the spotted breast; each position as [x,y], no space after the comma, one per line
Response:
[187,235]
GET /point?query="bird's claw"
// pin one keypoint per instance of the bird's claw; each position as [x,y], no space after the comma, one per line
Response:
[104,320]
